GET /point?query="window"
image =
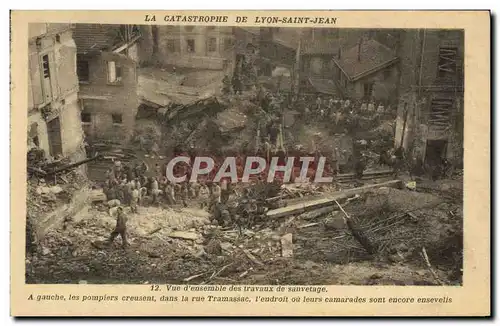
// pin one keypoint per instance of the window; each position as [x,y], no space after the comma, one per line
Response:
[212,44]
[190,45]
[86,117]
[58,38]
[210,28]
[117,118]
[447,62]
[45,64]
[228,43]
[368,89]
[114,72]
[82,70]
[188,28]
[172,46]
[36,141]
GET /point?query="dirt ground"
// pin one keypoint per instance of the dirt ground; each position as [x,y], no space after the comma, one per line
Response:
[180,245]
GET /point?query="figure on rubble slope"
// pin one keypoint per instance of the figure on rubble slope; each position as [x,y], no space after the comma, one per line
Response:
[120,228]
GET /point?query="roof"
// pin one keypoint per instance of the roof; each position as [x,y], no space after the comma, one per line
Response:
[373,57]
[93,38]
[324,86]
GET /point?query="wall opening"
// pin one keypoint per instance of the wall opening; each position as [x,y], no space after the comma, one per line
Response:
[435,151]
[54,133]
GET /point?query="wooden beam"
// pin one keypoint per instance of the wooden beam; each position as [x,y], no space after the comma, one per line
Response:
[327,201]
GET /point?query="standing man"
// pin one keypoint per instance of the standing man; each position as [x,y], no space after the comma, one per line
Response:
[120,228]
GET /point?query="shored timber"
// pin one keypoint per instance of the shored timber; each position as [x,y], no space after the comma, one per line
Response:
[330,200]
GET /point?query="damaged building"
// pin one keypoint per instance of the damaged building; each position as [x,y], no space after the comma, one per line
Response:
[197,47]
[53,112]
[367,71]
[107,73]
[431,106]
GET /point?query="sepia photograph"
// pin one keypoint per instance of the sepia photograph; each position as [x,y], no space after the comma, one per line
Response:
[203,155]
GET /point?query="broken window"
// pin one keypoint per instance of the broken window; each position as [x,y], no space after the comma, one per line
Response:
[440,113]
[82,70]
[45,65]
[86,117]
[367,89]
[447,62]
[212,44]
[190,45]
[114,72]
[117,118]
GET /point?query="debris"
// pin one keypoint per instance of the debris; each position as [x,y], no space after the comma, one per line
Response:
[429,266]
[215,274]
[312,204]
[56,190]
[183,235]
[190,278]
[411,185]
[317,213]
[114,203]
[245,273]
[97,195]
[252,258]
[357,233]
[307,225]
[287,245]
[213,247]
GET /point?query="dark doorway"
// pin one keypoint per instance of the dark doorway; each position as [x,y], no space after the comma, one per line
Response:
[55,141]
[435,152]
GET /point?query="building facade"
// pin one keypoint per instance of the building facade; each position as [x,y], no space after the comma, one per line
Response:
[196,47]
[107,73]
[433,98]
[54,123]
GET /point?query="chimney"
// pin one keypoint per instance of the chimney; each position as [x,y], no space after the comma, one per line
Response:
[359,49]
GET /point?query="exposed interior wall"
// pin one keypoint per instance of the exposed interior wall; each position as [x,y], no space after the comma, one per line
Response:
[101,99]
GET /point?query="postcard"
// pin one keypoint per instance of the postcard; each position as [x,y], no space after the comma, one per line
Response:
[250,163]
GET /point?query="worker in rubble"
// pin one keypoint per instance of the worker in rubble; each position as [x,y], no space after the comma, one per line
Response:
[347,105]
[120,190]
[371,106]
[120,228]
[134,200]
[363,107]
[117,169]
[224,191]
[237,85]
[215,196]
[170,193]
[226,85]
[380,108]
[360,166]
[185,193]
[267,149]
[158,171]
[154,189]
